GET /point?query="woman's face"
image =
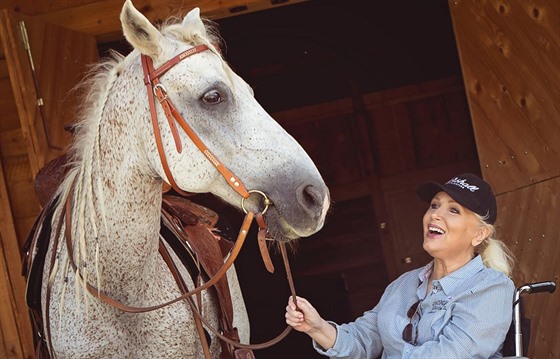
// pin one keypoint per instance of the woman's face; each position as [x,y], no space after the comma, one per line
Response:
[451,231]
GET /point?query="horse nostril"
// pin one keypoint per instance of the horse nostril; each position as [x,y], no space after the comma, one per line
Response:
[310,198]
[310,195]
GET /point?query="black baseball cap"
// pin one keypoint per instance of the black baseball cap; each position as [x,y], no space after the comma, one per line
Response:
[467,189]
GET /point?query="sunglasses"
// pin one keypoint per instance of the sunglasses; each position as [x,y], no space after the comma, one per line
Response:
[407,331]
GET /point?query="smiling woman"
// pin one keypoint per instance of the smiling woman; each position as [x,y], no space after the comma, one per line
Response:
[469,205]
[457,306]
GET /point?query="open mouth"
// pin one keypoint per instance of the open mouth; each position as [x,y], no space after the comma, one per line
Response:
[435,230]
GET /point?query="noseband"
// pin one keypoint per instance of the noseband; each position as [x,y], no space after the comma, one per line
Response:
[157,90]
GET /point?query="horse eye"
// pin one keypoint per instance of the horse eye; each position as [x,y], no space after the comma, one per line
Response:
[212,97]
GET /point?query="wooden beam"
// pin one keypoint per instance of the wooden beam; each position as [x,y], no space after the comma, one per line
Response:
[101,18]
[14,321]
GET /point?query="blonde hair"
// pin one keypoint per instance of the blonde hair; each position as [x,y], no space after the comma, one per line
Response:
[495,254]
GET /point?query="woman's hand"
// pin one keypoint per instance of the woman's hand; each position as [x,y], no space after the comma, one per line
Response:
[305,318]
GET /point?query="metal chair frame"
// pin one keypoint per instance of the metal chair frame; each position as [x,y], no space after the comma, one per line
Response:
[529,288]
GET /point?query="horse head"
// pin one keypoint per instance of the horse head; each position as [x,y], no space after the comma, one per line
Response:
[220,108]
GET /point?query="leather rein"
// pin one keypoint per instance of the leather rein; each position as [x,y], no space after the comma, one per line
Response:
[156,90]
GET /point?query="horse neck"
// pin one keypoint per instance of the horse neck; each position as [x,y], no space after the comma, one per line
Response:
[116,215]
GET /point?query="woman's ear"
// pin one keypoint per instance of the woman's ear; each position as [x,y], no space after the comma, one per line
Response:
[480,236]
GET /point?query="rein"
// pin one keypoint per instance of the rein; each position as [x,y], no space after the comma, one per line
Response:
[156,90]
[187,295]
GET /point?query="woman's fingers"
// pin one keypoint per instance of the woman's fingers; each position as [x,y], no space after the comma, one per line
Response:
[298,315]
[293,315]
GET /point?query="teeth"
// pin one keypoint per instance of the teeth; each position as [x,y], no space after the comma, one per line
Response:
[436,229]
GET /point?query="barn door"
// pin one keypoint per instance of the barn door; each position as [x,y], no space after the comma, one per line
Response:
[39,64]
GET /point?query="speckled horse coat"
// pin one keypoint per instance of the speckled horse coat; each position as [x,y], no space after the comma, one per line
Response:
[115,189]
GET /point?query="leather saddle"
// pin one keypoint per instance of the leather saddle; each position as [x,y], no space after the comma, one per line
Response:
[189,230]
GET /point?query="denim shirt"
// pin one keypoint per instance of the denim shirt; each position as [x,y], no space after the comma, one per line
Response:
[465,315]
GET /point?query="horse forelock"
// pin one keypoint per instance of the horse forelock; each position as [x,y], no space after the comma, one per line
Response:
[173,27]
[212,39]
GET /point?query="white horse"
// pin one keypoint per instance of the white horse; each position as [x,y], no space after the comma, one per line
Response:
[114,193]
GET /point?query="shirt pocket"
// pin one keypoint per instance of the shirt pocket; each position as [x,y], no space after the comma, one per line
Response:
[436,315]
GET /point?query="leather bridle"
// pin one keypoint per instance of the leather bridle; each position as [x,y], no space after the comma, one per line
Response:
[156,90]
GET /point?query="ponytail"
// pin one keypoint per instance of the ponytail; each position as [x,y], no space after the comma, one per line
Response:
[495,254]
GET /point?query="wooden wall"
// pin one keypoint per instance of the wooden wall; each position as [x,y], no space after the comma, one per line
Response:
[16,217]
[510,53]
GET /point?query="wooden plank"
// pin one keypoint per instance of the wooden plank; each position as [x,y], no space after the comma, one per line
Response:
[3,351]
[346,192]
[528,220]
[12,143]
[457,109]
[8,109]
[21,79]
[509,54]
[54,48]
[3,66]
[331,144]
[34,7]
[8,115]
[388,124]
[371,101]
[405,137]
[20,184]
[101,18]
[14,320]
[8,320]
[422,127]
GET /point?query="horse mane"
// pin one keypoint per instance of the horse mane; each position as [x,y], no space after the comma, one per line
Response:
[85,151]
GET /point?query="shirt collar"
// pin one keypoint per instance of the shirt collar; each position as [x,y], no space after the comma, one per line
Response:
[424,274]
[451,281]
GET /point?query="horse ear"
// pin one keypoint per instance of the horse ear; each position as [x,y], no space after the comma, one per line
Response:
[139,32]
[192,23]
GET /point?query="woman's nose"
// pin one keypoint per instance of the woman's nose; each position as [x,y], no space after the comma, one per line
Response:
[436,213]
